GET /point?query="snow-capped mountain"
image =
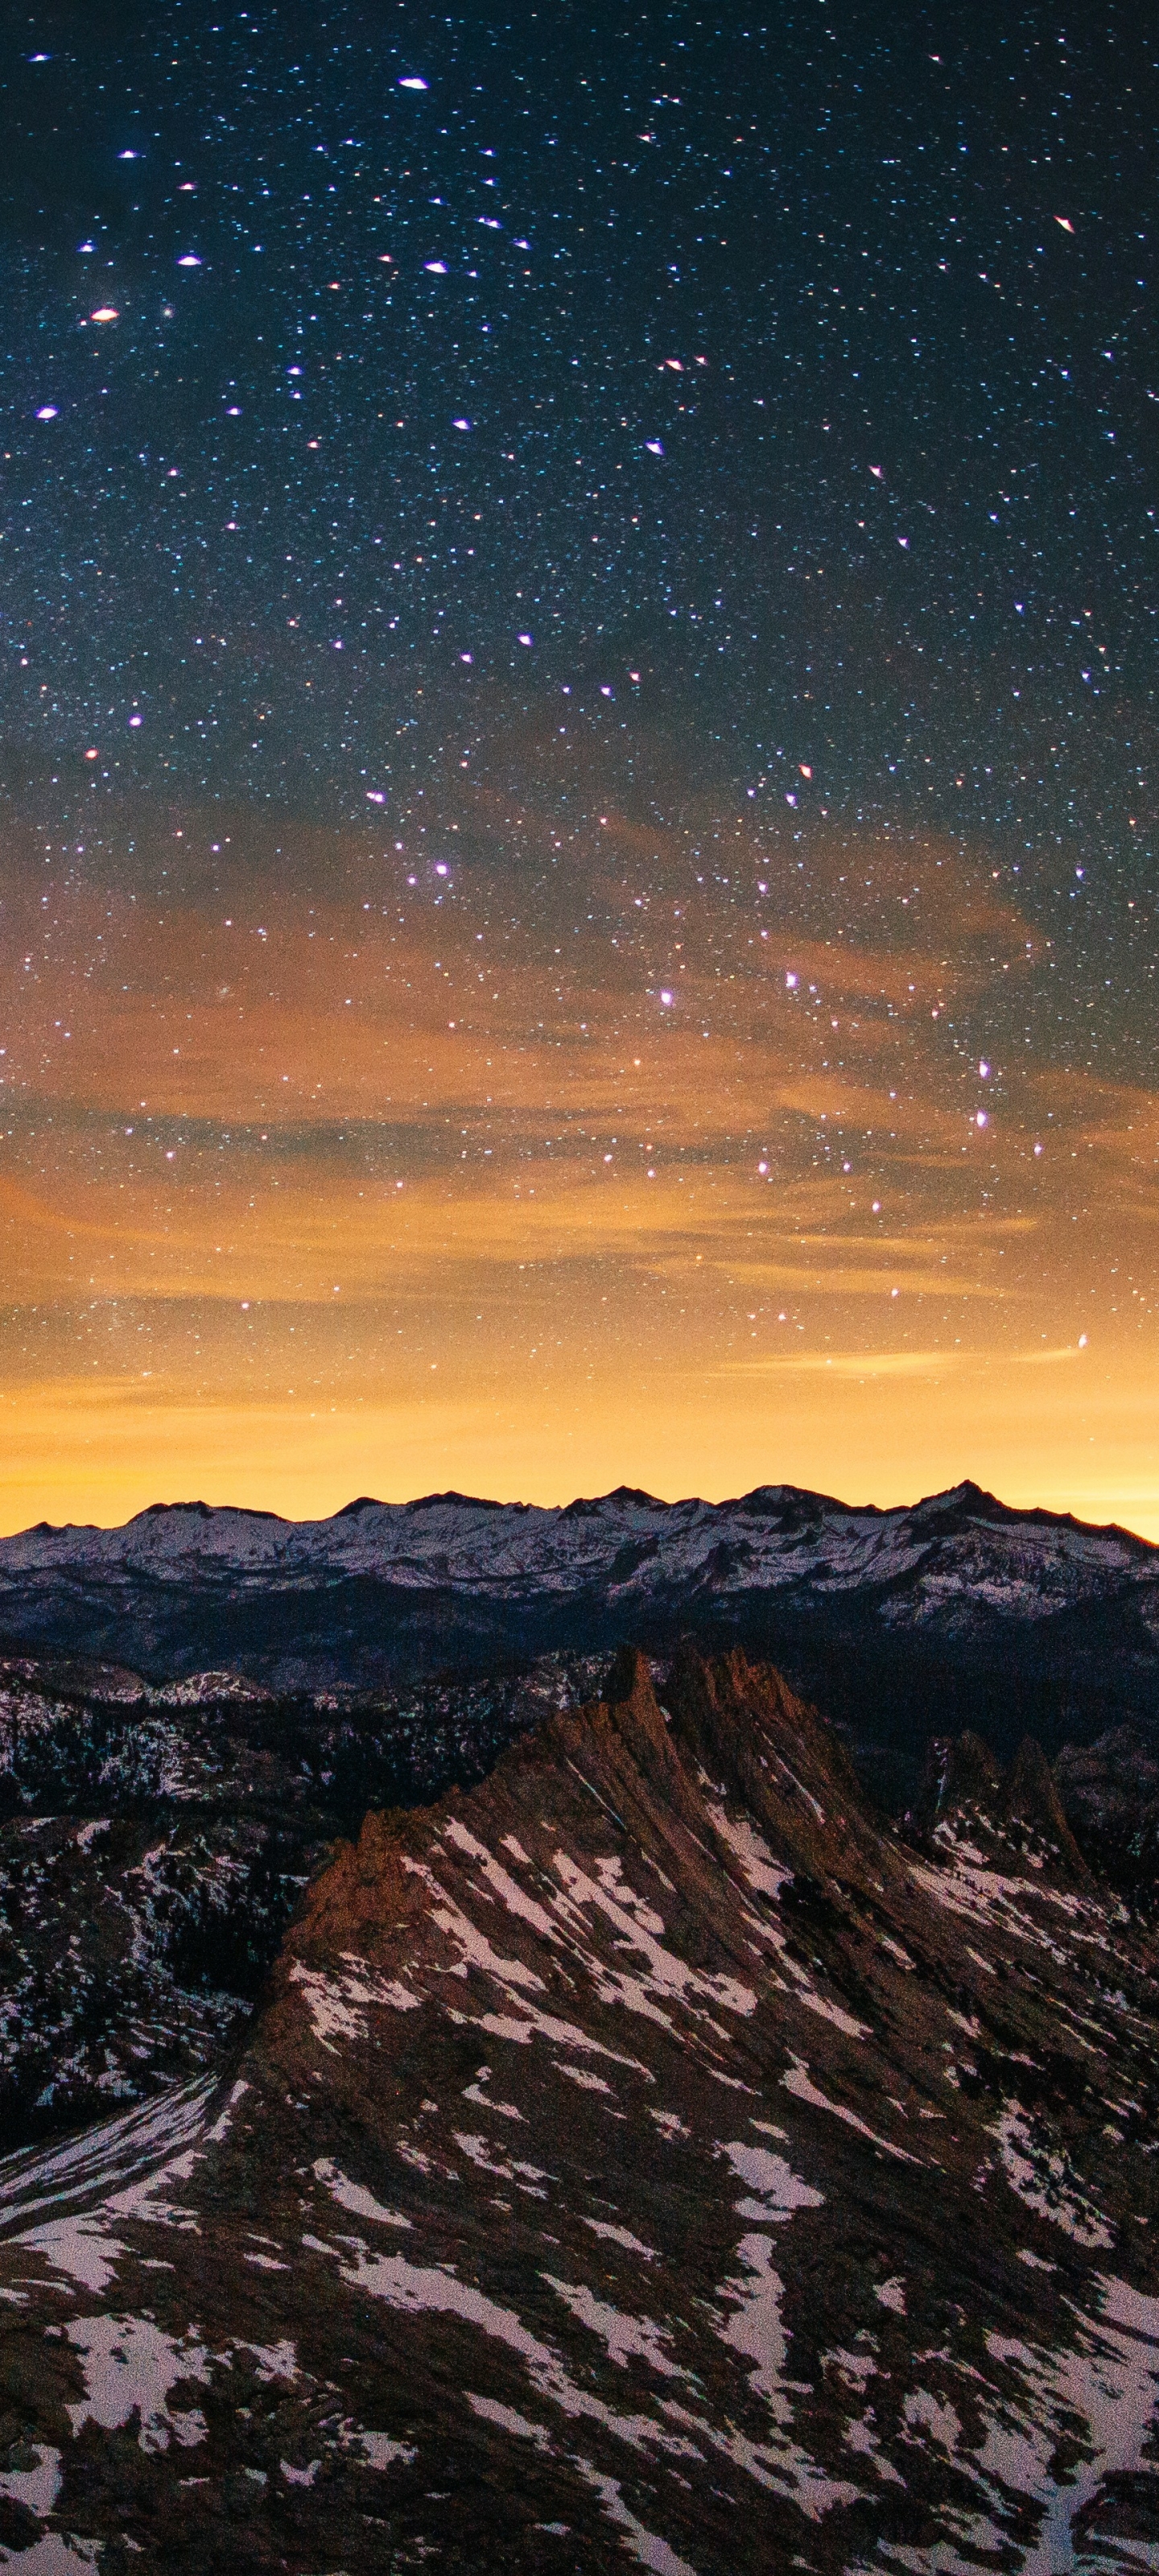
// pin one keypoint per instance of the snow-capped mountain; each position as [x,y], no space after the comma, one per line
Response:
[957,1545]
[954,1611]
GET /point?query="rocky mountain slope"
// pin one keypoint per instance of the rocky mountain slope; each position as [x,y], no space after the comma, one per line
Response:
[957,1612]
[154,1841]
[644,2155]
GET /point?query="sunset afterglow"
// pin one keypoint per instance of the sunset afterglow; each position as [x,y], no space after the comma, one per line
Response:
[328,1172]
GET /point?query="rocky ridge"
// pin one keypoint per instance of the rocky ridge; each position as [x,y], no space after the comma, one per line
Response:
[643,2155]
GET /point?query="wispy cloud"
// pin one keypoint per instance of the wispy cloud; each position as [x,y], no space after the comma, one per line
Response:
[288,1129]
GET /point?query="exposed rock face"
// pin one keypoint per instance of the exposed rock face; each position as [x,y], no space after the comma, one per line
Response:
[1032,1802]
[644,2155]
[963,1786]
[961,1774]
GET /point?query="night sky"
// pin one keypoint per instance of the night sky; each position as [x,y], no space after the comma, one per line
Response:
[576,810]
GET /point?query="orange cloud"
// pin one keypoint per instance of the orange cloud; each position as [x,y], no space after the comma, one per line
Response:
[557,1171]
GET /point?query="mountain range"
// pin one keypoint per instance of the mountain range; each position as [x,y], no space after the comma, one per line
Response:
[954,1612]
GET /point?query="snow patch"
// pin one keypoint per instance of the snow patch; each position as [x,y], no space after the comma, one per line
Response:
[337,2004]
[354,2196]
[1045,2181]
[129,2369]
[646,2547]
[508,2420]
[752,1851]
[53,2556]
[624,2338]
[782,2191]
[36,2488]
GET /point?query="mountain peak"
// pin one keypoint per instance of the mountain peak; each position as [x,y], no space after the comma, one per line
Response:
[966,1790]
[198,1511]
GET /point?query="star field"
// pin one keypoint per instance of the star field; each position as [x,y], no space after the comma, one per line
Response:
[578,601]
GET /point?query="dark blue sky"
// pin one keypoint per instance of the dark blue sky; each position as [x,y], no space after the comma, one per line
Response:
[807,367]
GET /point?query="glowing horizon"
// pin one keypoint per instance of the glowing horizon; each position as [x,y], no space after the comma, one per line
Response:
[327,1175]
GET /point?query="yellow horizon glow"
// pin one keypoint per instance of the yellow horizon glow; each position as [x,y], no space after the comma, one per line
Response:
[72,1459]
[315,1182]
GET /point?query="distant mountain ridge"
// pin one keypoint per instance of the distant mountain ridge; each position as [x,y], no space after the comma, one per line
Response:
[419,1533]
[956,1611]
[626,1541]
